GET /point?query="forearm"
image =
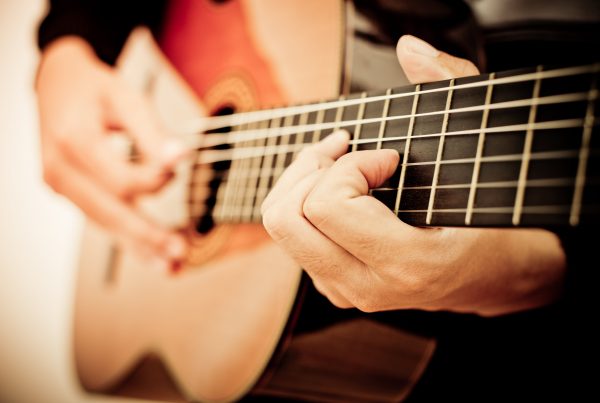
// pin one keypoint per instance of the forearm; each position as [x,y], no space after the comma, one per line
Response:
[506,271]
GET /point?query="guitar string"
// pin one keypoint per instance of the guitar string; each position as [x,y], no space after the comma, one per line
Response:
[553,182]
[213,156]
[200,125]
[558,209]
[235,137]
[552,99]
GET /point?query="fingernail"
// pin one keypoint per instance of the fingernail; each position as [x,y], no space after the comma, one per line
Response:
[176,248]
[420,47]
[338,135]
[173,150]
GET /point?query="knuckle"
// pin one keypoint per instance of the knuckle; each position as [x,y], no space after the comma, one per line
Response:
[121,189]
[51,172]
[361,299]
[59,132]
[305,153]
[62,139]
[265,205]
[135,104]
[365,305]
[333,297]
[156,240]
[150,184]
[413,285]
[275,222]
[338,302]
[316,210]
[347,158]
[468,69]
[51,178]
[308,156]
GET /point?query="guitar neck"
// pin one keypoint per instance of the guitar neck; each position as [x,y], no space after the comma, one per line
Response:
[517,148]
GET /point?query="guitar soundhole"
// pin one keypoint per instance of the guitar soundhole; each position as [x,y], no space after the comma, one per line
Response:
[206,222]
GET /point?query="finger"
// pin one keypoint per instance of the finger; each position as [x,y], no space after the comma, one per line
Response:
[133,112]
[111,168]
[115,215]
[422,63]
[312,158]
[331,267]
[339,207]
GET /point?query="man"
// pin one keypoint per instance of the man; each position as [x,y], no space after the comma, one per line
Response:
[374,262]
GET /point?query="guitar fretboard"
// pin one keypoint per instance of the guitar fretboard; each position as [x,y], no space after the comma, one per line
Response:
[518,148]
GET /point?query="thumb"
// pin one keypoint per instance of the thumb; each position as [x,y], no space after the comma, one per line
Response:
[421,62]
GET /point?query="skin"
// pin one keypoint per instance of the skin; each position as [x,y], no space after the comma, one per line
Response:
[373,261]
[81,102]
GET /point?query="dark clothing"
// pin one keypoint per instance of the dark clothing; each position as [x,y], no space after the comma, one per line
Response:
[105,24]
[533,355]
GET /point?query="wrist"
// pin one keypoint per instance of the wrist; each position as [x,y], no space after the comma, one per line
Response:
[506,271]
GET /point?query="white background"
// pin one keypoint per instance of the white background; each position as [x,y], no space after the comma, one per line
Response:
[39,234]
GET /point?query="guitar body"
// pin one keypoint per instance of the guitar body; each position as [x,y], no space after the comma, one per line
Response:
[214,326]
[239,321]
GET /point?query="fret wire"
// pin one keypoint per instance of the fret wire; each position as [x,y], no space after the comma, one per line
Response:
[436,168]
[250,194]
[220,199]
[274,150]
[359,116]
[280,158]
[238,182]
[243,185]
[554,124]
[479,154]
[558,182]
[216,122]
[195,169]
[318,122]
[481,185]
[225,196]
[531,183]
[557,209]
[411,124]
[526,152]
[542,155]
[542,209]
[386,108]
[338,114]
[225,189]
[584,152]
[300,136]
[267,163]
[236,137]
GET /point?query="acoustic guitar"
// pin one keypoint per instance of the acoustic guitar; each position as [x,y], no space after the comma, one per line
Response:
[510,149]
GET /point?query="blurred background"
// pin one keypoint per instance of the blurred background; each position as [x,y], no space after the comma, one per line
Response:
[39,234]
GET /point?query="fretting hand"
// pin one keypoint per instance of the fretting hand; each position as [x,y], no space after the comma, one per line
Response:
[80,101]
[359,254]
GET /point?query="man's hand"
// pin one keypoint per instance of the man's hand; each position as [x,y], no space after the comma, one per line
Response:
[81,100]
[359,254]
